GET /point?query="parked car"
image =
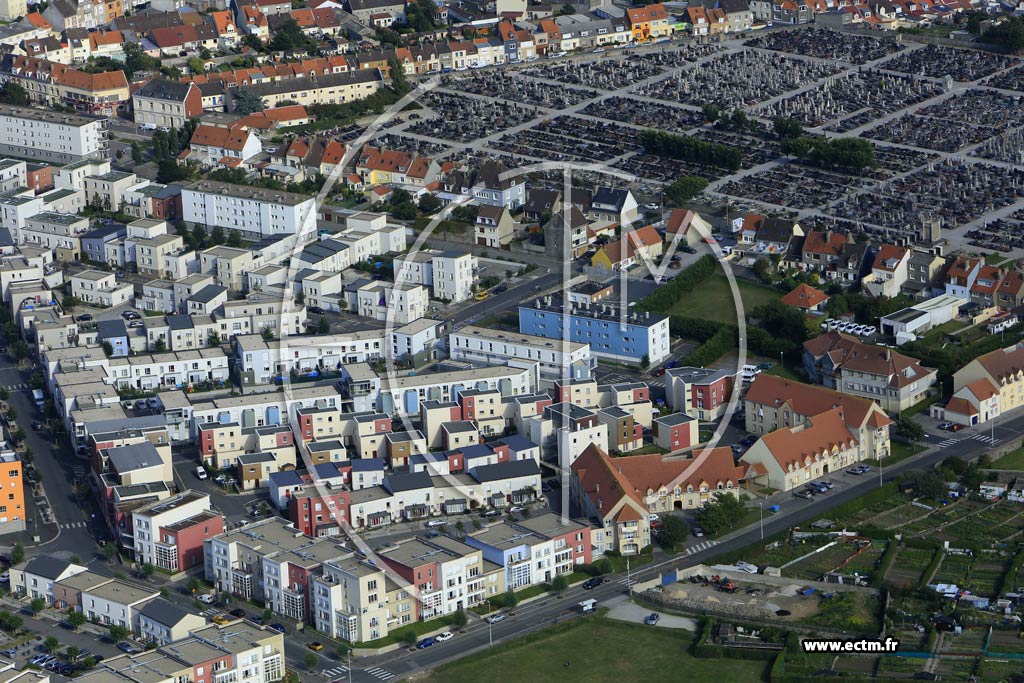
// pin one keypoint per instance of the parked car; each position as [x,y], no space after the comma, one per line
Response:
[481,296]
[698,532]
[495,618]
[201,472]
[84,318]
[237,612]
[425,643]
[686,249]
[36,426]
[592,583]
[658,373]
[315,646]
[946,426]
[315,309]
[652,618]
[499,289]
[956,427]
[207,599]
[127,648]
[803,494]
[220,619]
[444,636]
[278,627]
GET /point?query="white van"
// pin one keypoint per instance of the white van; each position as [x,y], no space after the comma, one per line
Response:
[587,606]
[200,472]
[749,372]
[435,523]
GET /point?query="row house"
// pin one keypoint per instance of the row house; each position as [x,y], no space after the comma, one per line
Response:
[222,444]
[58,85]
[889,272]
[893,380]
[171,370]
[221,147]
[793,456]
[169,534]
[772,403]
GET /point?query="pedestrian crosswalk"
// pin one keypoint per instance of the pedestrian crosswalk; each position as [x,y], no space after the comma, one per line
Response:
[15,387]
[985,438]
[380,674]
[336,671]
[946,443]
[703,545]
[628,583]
[74,525]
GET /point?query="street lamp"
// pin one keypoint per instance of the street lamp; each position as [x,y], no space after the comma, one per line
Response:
[490,635]
[760,508]
[350,665]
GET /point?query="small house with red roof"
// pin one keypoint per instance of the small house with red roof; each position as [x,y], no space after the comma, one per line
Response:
[806,298]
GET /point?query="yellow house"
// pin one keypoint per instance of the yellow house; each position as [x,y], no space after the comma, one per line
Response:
[649,23]
[1004,368]
[642,244]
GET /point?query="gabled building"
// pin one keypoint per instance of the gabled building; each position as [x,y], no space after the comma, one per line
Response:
[849,366]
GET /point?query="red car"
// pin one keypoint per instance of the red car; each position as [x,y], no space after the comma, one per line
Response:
[955,427]
[658,373]
[656,524]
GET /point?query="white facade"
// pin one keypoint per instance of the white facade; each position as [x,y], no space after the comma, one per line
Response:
[147,523]
[252,211]
[100,288]
[174,369]
[496,347]
[48,135]
[449,274]
[397,304]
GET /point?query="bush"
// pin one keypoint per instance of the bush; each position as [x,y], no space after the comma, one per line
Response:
[687,148]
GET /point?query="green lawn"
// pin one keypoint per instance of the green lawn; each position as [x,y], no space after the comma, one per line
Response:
[781,371]
[897,451]
[712,299]
[598,650]
[1014,460]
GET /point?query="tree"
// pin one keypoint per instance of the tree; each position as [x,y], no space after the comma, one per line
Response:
[721,513]
[169,171]
[109,551]
[117,632]
[51,644]
[559,584]
[288,36]
[196,65]
[645,361]
[10,622]
[267,334]
[12,415]
[4,394]
[511,599]
[136,59]
[407,637]
[323,326]
[17,554]
[216,235]
[1009,33]
[909,429]
[37,605]
[70,303]
[565,10]
[148,569]
[459,619]
[711,112]
[14,95]
[267,615]
[107,348]
[159,346]
[404,212]
[136,153]
[234,238]
[310,661]
[429,203]
[739,119]
[399,81]
[929,484]
[673,531]
[76,619]
[684,189]
[72,652]
[787,128]
[213,340]
[248,102]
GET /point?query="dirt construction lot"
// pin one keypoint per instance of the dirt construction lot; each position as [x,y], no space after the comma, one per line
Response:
[752,597]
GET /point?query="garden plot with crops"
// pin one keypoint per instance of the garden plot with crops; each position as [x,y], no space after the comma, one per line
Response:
[987,574]
[908,568]
[953,569]
[814,566]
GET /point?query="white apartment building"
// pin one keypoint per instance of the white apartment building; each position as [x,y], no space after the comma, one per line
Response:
[258,312]
[449,274]
[554,358]
[51,136]
[56,231]
[116,603]
[349,600]
[403,395]
[100,288]
[174,369]
[16,207]
[253,211]
[393,303]
[149,521]
[158,295]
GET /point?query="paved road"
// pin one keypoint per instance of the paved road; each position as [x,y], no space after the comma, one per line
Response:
[507,300]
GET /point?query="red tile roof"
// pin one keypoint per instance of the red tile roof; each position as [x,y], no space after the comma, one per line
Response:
[805,297]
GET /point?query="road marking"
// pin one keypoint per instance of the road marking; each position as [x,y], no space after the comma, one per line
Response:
[72,525]
[948,442]
[336,671]
[382,674]
[984,438]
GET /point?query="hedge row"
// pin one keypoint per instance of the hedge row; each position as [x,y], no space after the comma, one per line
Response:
[665,296]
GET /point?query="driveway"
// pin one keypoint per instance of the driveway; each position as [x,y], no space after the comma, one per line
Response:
[623,609]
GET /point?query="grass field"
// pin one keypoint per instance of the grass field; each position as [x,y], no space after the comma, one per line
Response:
[712,300]
[1014,460]
[598,650]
